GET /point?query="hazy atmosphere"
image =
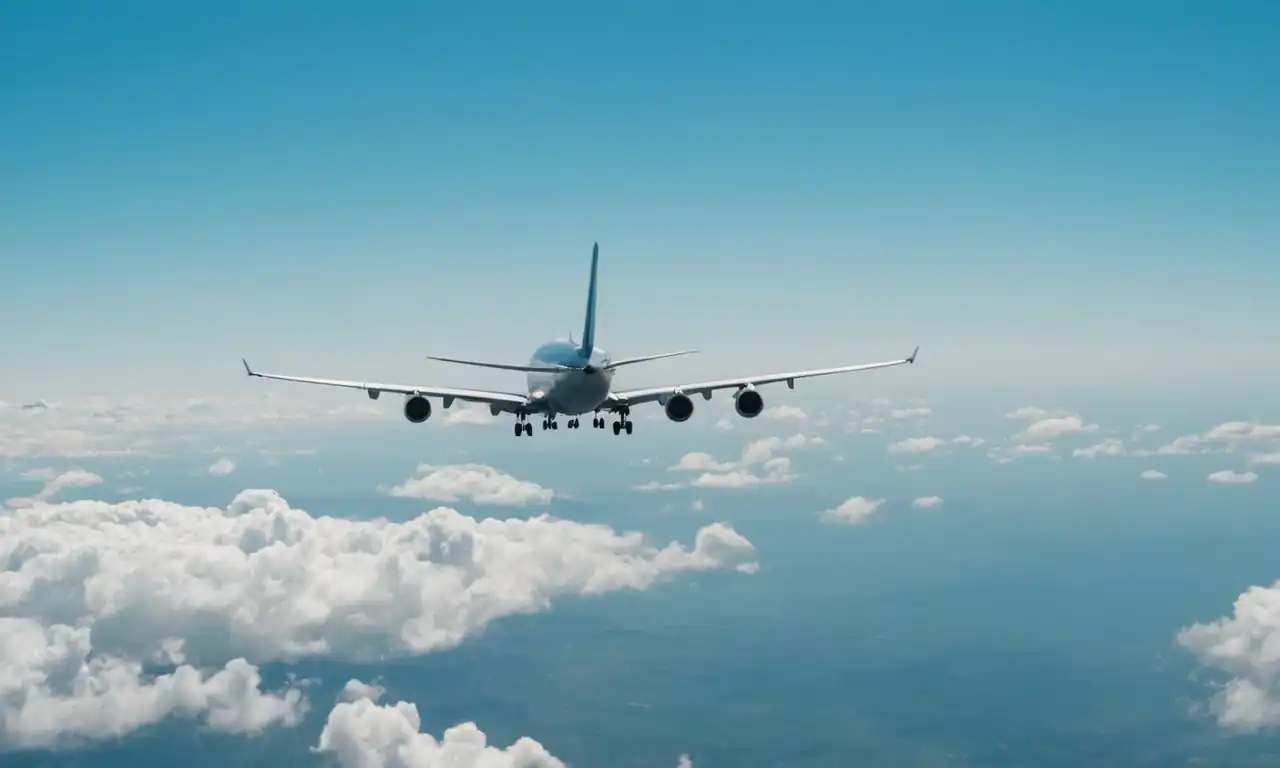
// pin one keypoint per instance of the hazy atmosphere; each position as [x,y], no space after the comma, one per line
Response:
[1050,541]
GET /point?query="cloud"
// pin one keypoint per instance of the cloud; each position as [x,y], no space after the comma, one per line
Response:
[1142,430]
[697,505]
[1228,437]
[1231,477]
[785,413]
[775,471]
[222,467]
[857,509]
[758,465]
[54,484]
[468,414]
[1034,413]
[1054,427]
[1109,447]
[1243,645]
[363,734]
[477,483]
[1152,474]
[725,424]
[1240,431]
[654,485]
[355,690]
[914,445]
[262,580]
[910,413]
[967,440]
[927,502]
[52,692]
[700,461]
[1265,460]
[97,426]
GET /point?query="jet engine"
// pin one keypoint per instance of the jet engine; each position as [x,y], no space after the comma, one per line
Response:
[417,409]
[679,408]
[748,403]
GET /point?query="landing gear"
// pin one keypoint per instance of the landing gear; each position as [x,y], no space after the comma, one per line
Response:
[623,423]
[574,424]
[523,427]
[550,424]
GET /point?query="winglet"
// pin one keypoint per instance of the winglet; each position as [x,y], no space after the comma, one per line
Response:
[912,359]
[247,369]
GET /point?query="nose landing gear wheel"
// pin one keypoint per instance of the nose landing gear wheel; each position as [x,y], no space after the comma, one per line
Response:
[628,427]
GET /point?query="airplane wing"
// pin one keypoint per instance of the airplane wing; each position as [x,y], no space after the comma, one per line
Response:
[631,397]
[504,401]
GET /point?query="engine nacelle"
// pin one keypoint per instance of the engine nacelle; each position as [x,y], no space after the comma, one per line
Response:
[417,409]
[748,403]
[679,408]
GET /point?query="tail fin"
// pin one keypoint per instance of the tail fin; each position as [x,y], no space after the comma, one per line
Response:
[589,325]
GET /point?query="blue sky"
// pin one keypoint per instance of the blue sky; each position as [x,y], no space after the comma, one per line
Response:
[1047,543]
[1036,196]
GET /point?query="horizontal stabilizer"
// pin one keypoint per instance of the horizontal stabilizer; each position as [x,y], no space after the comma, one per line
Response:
[500,366]
[646,358]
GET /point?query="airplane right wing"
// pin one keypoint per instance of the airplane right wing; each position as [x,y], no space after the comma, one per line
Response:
[498,401]
[631,397]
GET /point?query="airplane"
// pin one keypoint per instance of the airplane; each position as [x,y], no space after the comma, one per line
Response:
[571,379]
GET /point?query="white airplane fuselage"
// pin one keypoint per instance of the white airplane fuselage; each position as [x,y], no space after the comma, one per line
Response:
[570,392]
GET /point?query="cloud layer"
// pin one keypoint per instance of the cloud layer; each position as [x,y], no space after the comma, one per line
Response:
[98,588]
[363,734]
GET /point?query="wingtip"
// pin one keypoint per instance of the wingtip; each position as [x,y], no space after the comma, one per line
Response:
[247,369]
[914,352]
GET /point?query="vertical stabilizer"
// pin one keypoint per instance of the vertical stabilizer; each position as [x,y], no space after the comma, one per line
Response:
[589,325]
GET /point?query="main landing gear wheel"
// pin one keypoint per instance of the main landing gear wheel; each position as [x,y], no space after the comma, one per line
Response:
[617,427]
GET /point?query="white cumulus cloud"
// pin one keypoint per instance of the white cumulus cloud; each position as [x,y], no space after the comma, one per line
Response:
[1054,427]
[927,502]
[1231,477]
[222,467]
[1152,474]
[913,445]
[265,581]
[477,483]
[53,692]
[95,594]
[758,465]
[787,413]
[355,690]
[363,734]
[469,414]
[1109,447]
[1243,645]
[857,509]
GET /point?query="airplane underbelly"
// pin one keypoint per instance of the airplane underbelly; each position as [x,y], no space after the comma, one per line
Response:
[580,393]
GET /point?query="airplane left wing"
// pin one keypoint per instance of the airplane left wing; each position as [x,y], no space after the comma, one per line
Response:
[631,397]
[501,401]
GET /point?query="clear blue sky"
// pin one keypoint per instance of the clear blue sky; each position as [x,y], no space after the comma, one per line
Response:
[1055,189]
